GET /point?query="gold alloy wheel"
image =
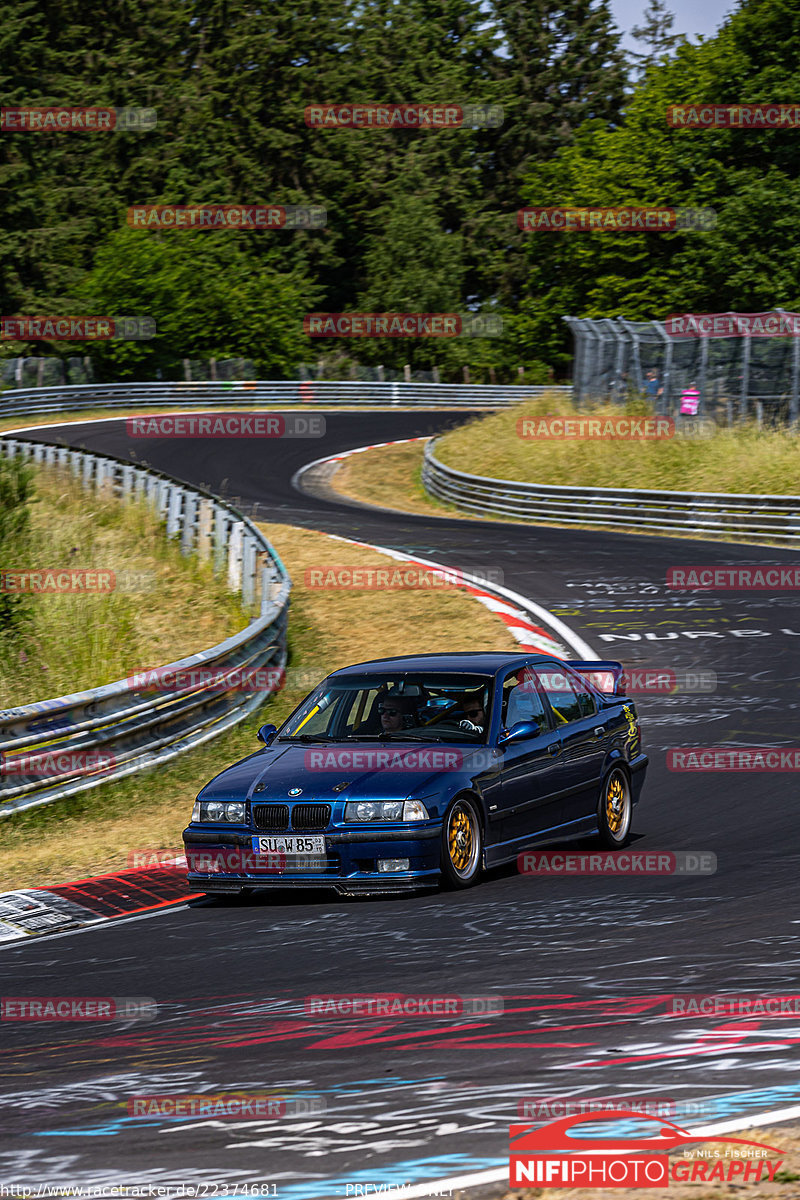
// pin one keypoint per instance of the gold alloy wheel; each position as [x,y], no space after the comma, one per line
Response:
[462,841]
[616,804]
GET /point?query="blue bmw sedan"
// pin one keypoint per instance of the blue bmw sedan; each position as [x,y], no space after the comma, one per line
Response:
[423,770]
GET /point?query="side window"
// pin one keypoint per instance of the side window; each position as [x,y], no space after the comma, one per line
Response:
[568,699]
[522,701]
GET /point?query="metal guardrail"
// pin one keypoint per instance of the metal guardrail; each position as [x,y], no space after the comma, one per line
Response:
[132,728]
[202,394]
[702,513]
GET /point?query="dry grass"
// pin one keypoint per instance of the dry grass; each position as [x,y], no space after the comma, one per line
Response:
[82,640]
[741,459]
[95,832]
[389,476]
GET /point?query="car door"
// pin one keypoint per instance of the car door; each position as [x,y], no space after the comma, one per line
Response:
[585,738]
[522,794]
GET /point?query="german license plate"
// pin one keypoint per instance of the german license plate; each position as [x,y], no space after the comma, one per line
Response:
[288,844]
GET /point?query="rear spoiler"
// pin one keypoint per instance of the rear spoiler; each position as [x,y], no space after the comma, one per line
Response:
[607,677]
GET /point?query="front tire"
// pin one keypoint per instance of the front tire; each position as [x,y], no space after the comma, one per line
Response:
[462,845]
[615,811]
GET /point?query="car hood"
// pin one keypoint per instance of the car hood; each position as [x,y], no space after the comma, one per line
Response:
[390,770]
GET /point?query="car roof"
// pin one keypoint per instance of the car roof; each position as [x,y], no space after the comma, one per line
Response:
[488,662]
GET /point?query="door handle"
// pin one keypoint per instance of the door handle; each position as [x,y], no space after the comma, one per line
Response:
[599,730]
[554,748]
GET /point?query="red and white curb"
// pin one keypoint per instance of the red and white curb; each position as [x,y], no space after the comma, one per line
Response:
[360,450]
[515,611]
[68,907]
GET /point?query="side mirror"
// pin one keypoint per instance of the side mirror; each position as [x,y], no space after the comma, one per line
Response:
[518,732]
[266,733]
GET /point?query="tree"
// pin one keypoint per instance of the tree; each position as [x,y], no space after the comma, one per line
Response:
[211,297]
[656,33]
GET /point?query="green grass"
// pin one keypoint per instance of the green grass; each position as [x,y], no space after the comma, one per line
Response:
[740,459]
[81,640]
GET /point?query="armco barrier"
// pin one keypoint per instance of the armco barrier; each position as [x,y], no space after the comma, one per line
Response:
[700,513]
[132,728]
[19,401]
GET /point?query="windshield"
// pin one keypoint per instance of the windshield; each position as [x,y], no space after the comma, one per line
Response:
[431,707]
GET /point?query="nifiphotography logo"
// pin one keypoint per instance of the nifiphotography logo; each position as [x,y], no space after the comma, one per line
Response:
[549,1157]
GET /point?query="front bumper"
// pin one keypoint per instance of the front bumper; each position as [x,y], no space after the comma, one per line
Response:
[223,861]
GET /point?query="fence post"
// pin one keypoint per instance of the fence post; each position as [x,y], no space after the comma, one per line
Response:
[745,378]
[703,374]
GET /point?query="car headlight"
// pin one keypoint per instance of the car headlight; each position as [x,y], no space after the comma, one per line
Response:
[219,811]
[385,810]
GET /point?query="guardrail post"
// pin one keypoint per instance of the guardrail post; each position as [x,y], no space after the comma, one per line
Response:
[175,496]
[248,569]
[189,528]
[128,481]
[235,549]
[205,529]
[221,522]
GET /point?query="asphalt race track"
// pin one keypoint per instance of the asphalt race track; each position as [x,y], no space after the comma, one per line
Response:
[586,967]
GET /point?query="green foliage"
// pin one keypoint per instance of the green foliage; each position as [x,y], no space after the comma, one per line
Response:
[209,296]
[417,216]
[749,262]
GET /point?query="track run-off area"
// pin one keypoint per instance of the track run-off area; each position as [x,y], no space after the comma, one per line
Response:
[586,966]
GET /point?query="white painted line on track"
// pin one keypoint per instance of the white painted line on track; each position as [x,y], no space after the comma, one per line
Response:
[94,926]
[517,625]
[517,629]
[501,1174]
